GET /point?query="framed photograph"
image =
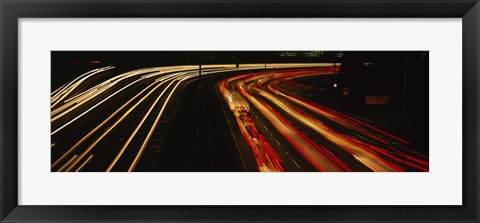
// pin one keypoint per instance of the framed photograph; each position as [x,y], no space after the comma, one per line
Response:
[251,111]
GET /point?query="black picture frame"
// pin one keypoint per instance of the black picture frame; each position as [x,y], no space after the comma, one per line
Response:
[11,11]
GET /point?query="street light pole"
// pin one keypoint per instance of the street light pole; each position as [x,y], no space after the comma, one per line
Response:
[200,75]
[404,107]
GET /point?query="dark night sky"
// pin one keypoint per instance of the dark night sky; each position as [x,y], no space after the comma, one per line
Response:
[66,65]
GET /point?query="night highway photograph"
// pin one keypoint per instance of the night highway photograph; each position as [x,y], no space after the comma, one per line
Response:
[239,111]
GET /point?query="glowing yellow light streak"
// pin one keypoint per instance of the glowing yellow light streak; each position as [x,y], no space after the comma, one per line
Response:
[92,107]
[98,127]
[67,163]
[122,77]
[77,83]
[67,85]
[125,145]
[112,81]
[149,135]
[84,163]
[111,128]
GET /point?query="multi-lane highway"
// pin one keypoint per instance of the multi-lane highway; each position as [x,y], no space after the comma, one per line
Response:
[129,122]
[104,123]
[277,125]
